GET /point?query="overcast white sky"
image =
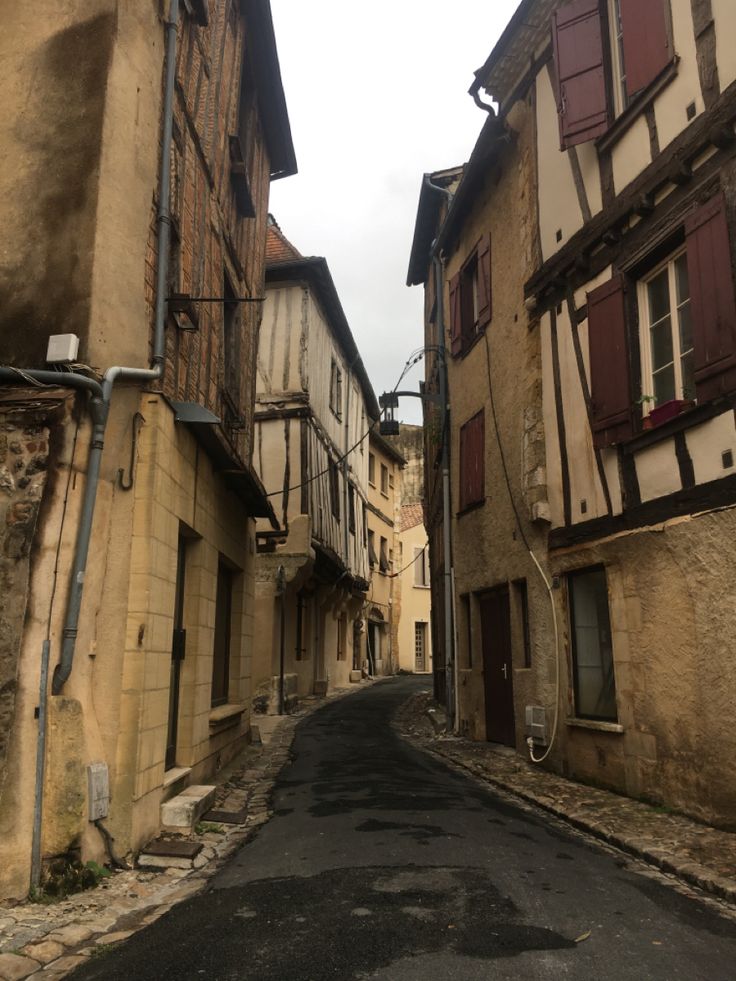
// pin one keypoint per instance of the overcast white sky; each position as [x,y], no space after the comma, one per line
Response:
[377,96]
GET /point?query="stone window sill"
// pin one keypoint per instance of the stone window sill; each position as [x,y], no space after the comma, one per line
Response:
[225,716]
[595,724]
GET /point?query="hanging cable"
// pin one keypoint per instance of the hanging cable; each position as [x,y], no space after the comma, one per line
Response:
[545,580]
[393,575]
[413,358]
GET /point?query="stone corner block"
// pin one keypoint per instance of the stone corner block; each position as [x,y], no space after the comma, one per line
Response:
[184,810]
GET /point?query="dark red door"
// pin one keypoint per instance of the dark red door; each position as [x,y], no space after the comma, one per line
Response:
[498,678]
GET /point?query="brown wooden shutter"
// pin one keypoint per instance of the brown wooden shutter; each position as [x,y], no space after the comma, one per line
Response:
[485,287]
[582,101]
[712,299]
[456,337]
[472,455]
[647,45]
[610,384]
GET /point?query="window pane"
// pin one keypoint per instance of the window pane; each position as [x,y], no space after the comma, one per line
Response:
[659,297]
[661,339]
[664,385]
[595,689]
[683,286]
[686,328]
[688,377]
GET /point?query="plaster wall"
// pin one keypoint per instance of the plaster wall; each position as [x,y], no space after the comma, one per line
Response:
[416,601]
[670,107]
[707,445]
[674,666]
[725,50]
[631,154]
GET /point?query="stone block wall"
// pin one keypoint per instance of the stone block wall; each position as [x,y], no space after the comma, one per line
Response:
[24,458]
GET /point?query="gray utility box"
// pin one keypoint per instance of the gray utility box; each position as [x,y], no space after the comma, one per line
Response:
[98,790]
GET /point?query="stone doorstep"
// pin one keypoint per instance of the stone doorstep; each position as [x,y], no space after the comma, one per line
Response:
[184,810]
[167,854]
[219,816]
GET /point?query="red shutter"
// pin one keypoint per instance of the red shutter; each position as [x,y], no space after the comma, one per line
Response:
[456,337]
[582,101]
[610,386]
[712,299]
[647,46]
[472,454]
[485,294]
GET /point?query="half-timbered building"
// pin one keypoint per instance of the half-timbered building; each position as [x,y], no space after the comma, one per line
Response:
[627,295]
[314,406]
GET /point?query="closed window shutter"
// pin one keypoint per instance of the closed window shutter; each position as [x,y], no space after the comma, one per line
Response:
[610,378]
[647,45]
[582,101]
[472,444]
[712,299]
[485,296]
[456,337]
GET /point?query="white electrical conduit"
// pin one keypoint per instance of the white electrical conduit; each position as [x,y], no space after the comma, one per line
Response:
[547,584]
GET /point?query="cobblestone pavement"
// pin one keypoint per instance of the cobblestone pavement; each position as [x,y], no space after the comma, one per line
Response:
[695,853]
[48,941]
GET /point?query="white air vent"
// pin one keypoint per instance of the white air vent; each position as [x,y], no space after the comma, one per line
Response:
[536,724]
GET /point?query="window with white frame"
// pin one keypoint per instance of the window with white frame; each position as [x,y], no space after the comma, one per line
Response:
[667,334]
[620,95]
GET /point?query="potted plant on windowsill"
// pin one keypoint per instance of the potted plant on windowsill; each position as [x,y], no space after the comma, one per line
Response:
[666,411]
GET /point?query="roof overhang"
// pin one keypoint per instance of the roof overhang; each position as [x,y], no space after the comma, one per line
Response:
[432,196]
[262,51]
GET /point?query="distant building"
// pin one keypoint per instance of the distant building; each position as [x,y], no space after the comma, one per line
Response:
[314,404]
[415,638]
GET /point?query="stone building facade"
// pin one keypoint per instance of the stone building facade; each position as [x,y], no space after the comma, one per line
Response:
[588,280]
[158,692]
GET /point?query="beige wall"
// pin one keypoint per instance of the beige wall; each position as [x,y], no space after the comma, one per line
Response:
[416,601]
[383,522]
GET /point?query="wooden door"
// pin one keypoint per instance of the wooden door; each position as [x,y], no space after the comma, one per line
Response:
[498,678]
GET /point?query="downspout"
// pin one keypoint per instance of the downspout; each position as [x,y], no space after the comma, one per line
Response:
[445,466]
[99,411]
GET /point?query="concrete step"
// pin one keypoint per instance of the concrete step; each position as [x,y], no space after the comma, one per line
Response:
[166,854]
[184,810]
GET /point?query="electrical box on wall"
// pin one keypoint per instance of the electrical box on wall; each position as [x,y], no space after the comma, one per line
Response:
[536,724]
[98,790]
[62,349]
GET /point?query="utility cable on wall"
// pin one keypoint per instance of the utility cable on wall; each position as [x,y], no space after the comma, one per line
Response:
[545,580]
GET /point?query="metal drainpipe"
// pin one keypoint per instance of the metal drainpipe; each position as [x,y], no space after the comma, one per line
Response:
[99,410]
[450,686]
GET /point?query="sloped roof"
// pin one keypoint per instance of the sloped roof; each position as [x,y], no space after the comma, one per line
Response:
[278,247]
[411,516]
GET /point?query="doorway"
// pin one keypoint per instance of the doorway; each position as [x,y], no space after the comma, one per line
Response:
[420,646]
[498,676]
[178,650]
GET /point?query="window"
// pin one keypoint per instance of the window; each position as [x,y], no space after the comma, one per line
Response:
[595,687]
[472,452]
[470,298]
[391,559]
[521,604]
[372,557]
[351,508]
[421,567]
[667,348]
[384,480]
[362,430]
[391,478]
[640,49]
[371,470]
[221,650]
[342,625]
[336,388]
[365,525]
[687,324]
[383,563]
[334,480]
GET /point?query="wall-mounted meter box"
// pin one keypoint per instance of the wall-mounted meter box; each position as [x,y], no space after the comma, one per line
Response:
[98,787]
[62,349]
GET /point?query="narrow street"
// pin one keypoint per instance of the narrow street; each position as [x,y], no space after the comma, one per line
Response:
[381,862]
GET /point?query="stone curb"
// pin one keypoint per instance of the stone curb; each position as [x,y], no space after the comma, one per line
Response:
[18,965]
[691,872]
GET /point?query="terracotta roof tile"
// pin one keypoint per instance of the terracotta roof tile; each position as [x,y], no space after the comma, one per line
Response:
[411,516]
[278,247]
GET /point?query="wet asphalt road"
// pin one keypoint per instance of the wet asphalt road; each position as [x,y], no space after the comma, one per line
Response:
[381,862]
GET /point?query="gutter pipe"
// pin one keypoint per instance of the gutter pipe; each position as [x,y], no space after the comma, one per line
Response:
[450,687]
[99,411]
